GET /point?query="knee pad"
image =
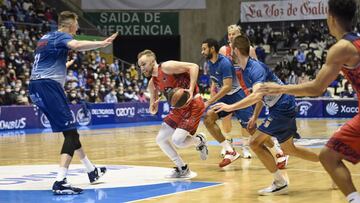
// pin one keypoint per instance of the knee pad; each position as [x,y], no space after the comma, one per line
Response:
[71,142]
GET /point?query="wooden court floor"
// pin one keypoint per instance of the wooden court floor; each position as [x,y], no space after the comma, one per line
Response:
[241,180]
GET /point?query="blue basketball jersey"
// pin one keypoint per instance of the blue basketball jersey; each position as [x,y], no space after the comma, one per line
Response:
[222,69]
[257,72]
[50,57]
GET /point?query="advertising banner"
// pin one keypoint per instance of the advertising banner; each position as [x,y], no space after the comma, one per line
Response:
[286,10]
[18,117]
[340,108]
[309,108]
[136,23]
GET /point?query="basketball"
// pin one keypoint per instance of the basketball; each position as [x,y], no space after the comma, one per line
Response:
[177,97]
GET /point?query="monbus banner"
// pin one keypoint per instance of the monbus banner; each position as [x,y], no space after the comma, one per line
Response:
[136,23]
[263,11]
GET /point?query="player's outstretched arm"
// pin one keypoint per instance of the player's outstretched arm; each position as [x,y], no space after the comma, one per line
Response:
[249,100]
[84,45]
[338,55]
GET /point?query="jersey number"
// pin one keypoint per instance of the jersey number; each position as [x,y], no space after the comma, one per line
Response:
[36,61]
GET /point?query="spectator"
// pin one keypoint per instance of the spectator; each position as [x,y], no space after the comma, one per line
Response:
[111,97]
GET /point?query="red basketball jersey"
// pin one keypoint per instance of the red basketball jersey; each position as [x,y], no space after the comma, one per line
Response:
[164,81]
[353,75]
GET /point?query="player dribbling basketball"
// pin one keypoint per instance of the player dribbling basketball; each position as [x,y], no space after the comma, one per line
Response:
[179,127]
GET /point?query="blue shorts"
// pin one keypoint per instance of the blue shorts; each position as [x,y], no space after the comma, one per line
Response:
[281,121]
[243,115]
[49,96]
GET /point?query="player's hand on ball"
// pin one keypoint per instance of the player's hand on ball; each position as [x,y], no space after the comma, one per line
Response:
[251,126]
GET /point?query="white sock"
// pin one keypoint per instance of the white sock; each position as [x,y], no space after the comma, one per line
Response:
[62,171]
[353,197]
[277,146]
[226,145]
[279,177]
[88,165]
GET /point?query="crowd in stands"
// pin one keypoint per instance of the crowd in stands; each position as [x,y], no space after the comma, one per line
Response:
[303,48]
[89,78]
[93,78]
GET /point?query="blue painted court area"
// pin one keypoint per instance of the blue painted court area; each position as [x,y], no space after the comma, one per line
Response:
[109,195]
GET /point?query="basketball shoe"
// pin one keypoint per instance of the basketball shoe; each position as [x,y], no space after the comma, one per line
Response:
[63,188]
[96,174]
[246,152]
[229,158]
[276,188]
[180,172]
[202,147]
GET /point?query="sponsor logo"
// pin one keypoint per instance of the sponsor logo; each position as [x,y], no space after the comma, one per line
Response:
[15,124]
[332,108]
[143,111]
[304,107]
[347,109]
[41,177]
[102,112]
[44,121]
[125,112]
[83,118]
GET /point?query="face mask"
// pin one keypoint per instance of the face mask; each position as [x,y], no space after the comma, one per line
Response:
[113,93]
[17,89]
[102,90]
[2,92]
[22,92]
[92,94]
[73,95]
[7,91]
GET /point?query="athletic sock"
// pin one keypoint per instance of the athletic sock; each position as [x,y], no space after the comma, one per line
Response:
[62,171]
[226,145]
[88,165]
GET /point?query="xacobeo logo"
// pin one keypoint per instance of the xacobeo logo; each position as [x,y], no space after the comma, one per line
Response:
[332,108]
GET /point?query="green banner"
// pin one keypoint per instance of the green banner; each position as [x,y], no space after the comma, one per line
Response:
[136,23]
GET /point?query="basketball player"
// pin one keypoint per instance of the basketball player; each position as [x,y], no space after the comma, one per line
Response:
[223,76]
[280,123]
[179,127]
[46,91]
[233,31]
[343,56]
[226,50]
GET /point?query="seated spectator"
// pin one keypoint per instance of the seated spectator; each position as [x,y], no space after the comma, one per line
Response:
[300,56]
[348,91]
[111,97]
[22,99]
[303,78]
[120,95]
[72,97]
[130,95]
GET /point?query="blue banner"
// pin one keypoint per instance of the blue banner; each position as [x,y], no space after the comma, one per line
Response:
[340,108]
[27,117]
[309,108]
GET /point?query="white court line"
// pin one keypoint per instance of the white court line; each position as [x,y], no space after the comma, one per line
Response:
[219,184]
[209,164]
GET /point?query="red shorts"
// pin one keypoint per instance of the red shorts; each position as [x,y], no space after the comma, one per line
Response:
[188,117]
[346,140]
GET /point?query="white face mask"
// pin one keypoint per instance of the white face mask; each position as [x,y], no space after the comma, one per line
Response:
[22,92]
[73,95]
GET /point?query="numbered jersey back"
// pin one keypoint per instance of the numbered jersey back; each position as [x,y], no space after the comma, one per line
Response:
[50,57]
